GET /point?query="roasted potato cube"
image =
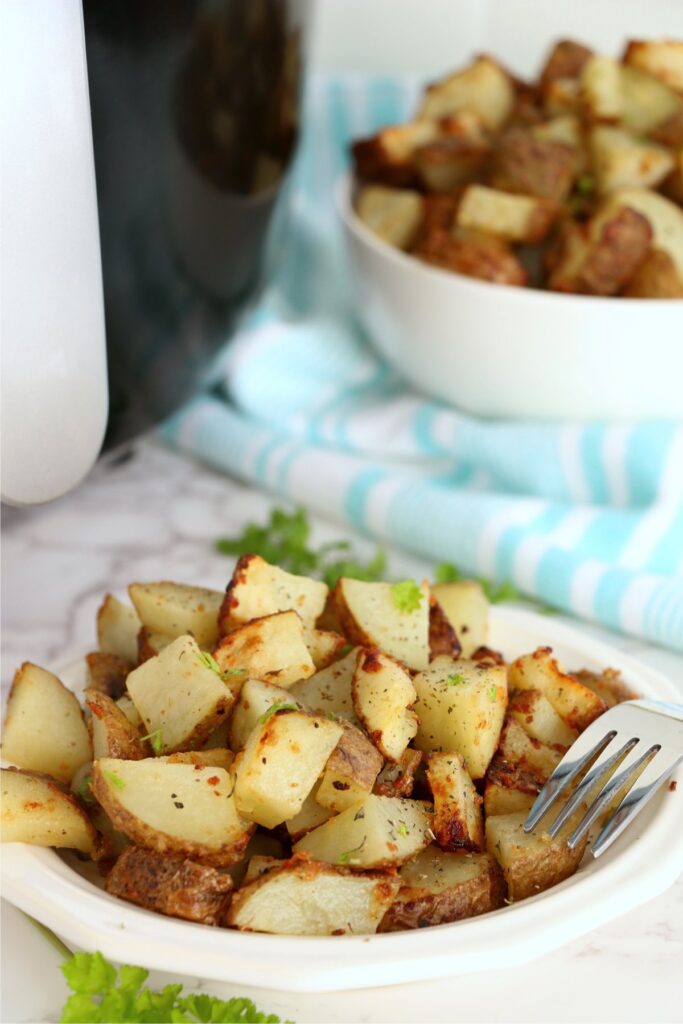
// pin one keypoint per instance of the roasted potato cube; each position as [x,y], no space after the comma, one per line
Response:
[112,733]
[562,96]
[151,643]
[378,832]
[117,629]
[525,753]
[539,719]
[449,162]
[600,89]
[600,258]
[566,60]
[107,673]
[324,646]
[44,729]
[576,704]
[180,699]
[564,128]
[440,887]
[393,214]
[661,59]
[506,799]
[670,132]
[272,649]
[483,88]
[442,637]
[646,103]
[656,278]
[309,817]
[329,691]
[126,705]
[439,216]
[36,810]
[664,217]
[388,157]
[383,695]
[460,707]
[176,609]
[474,255]
[398,779]
[621,161]
[313,899]
[467,609]
[513,218]
[458,823]
[351,770]
[255,700]
[174,808]
[608,685]
[258,589]
[530,863]
[280,764]
[524,163]
[393,618]
[169,884]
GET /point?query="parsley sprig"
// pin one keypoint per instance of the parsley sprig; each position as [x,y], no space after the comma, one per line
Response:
[156,741]
[279,705]
[100,993]
[407,595]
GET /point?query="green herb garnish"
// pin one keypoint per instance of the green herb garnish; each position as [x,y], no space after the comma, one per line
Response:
[115,779]
[585,184]
[284,541]
[103,994]
[208,661]
[456,680]
[402,829]
[345,857]
[446,572]
[493,693]
[84,791]
[407,595]
[279,705]
[156,741]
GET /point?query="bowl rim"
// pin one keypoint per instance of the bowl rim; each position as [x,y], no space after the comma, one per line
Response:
[344,189]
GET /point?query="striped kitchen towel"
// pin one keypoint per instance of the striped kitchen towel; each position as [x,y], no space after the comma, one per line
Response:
[585,517]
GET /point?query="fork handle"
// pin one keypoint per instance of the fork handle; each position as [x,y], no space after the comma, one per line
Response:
[662,707]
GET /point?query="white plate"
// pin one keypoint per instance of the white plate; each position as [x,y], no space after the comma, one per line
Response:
[60,890]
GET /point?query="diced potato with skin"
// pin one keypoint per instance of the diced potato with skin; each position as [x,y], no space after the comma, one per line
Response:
[530,863]
[383,695]
[661,59]
[378,832]
[449,162]
[177,609]
[219,757]
[112,734]
[473,254]
[608,685]
[467,609]
[388,156]
[539,719]
[562,96]
[255,699]
[518,748]
[351,770]
[646,102]
[397,779]
[107,673]
[150,643]
[505,800]
[258,589]
[525,164]
[280,764]
[670,132]
[44,729]
[664,217]
[272,649]
[576,704]
[324,646]
[175,808]
[117,629]
[372,616]
[126,705]
[461,706]
[170,885]
[393,214]
[178,697]
[458,823]
[309,817]
[307,898]
[566,60]
[601,93]
[36,810]
[601,257]
[483,88]
[513,218]
[442,637]
[439,887]
[564,128]
[329,691]
[621,161]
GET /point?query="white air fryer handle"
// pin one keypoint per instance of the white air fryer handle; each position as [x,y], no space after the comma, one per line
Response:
[54,370]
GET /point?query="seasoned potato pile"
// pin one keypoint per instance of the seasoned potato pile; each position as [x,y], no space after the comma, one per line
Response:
[572,183]
[236,765]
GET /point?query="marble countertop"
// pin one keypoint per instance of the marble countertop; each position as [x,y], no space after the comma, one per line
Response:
[155,514]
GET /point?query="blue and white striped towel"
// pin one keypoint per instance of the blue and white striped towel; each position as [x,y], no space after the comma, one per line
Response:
[588,518]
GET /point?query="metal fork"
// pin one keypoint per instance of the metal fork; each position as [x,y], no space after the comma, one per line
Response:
[637,736]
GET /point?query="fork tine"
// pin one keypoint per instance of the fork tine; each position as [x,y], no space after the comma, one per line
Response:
[636,758]
[610,755]
[582,753]
[645,787]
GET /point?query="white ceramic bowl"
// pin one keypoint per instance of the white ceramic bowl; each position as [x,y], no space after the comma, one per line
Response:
[493,350]
[64,892]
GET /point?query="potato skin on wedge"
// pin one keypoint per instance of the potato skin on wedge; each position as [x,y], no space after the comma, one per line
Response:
[531,863]
[438,888]
[309,898]
[169,884]
[37,810]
